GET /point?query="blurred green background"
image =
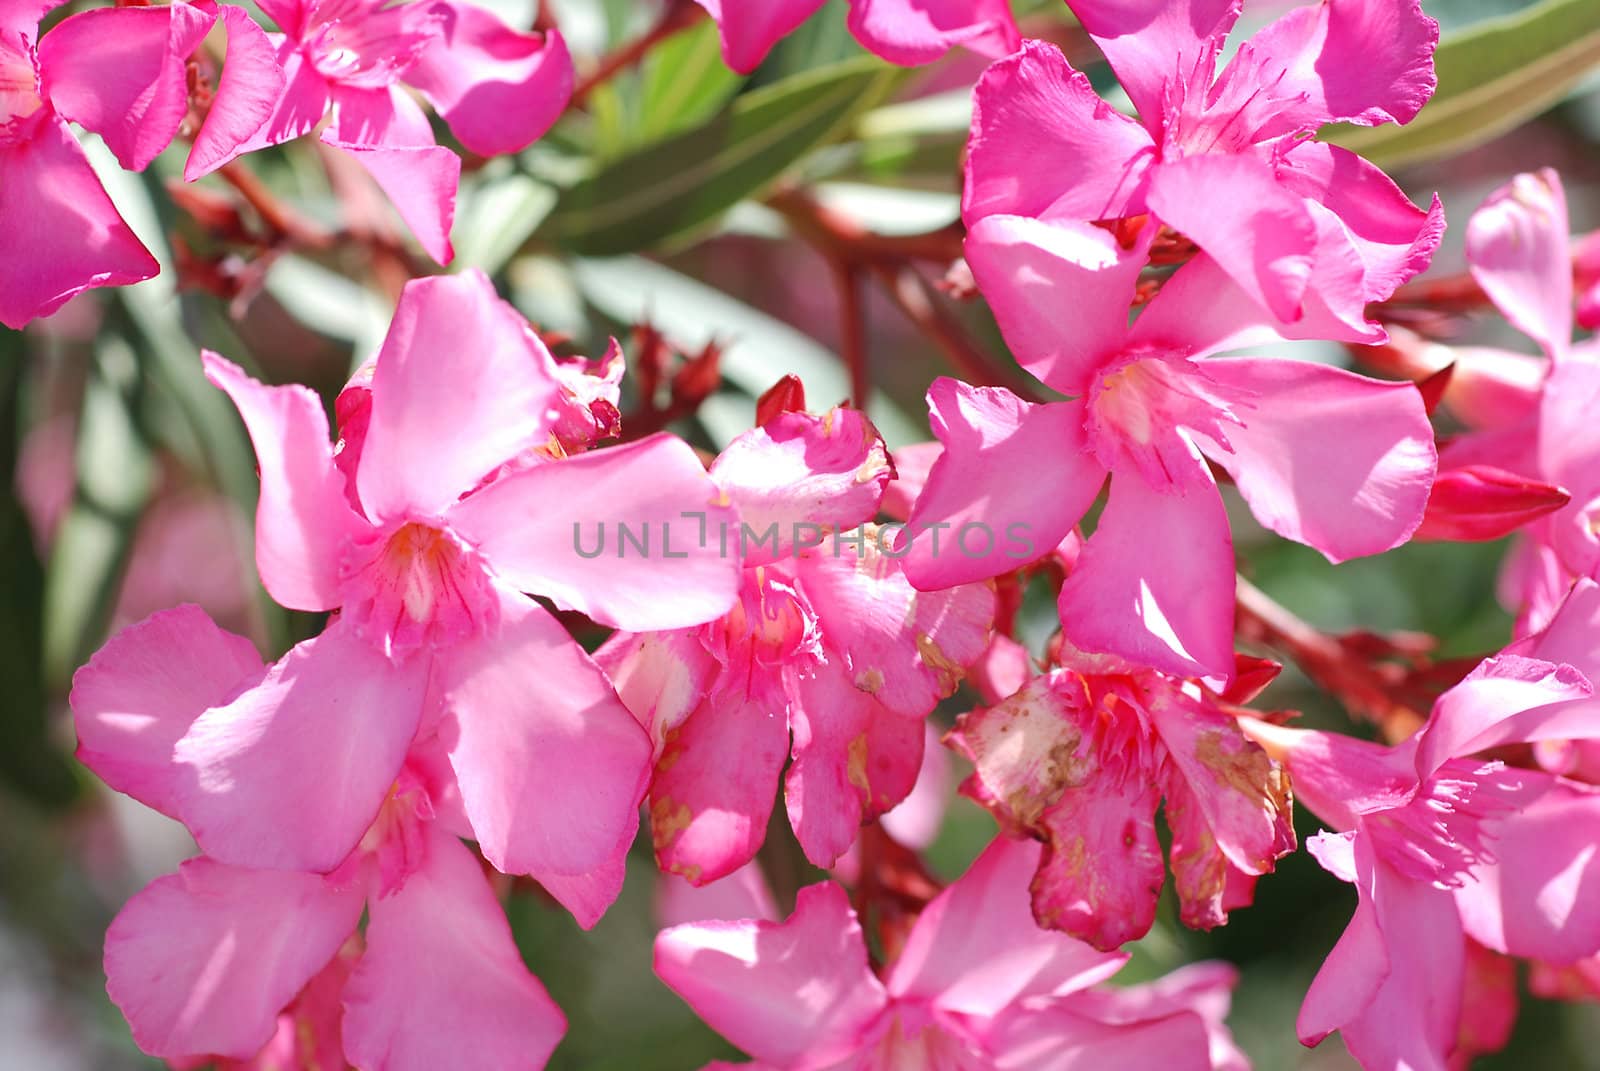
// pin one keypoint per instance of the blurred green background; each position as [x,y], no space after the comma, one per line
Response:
[132,484]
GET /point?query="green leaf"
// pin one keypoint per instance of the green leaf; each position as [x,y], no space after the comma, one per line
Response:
[684,83]
[688,180]
[1492,76]
[116,474]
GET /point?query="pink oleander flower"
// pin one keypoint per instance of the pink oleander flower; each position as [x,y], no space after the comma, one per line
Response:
[448,497]
[976,985]
[1080,758]
[1327,458]
[1443,846]
[829,655]
[1531,417]
[905,32]
[1225,157]
[499,90]
[118,72]
[253,965]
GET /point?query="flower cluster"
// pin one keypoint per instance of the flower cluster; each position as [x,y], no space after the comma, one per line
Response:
[467,509]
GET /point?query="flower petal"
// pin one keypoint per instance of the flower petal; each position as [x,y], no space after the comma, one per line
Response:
[498,88]
[441,983]
[1155,582]
[1060,291]
[1507,699]
[59,232]
[914,32]
[121,72]
[551,764]
[1044,143]
[1325,457]
[662,557]
[290,775]
[828,787]
[139,694]
[750,28]
[303,520]
[249,94]
[796,994]
[1518,246]
[203,960]
[1153,44]
[461,387]
[988,482]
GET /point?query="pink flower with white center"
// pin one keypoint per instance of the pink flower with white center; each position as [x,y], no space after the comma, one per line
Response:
[423,532]
[905,32]
[1531,417]
[118,72]
[1327,458]
[499,89]
[977,985]
[212,961]
[1225,157]
[829,655]
[1081,757]
[1443,846]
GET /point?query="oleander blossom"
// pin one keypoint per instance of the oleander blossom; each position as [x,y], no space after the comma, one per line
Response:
[829,656]
[1227,158]
[118,72]
[499,90]
[1322,456]
[1443,846]
[904,32]
[976,985]
[449,496]
[260,967]
[1530,418]
[1080,758]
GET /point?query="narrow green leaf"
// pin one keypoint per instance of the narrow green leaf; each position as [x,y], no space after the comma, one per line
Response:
[684,83]
[115,477]
[688,180]
[1493,75]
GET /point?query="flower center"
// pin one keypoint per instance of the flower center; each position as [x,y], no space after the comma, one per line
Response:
[418,585]
[1136,406]
[1439,835]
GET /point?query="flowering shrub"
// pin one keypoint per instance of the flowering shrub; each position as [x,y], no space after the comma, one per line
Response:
[512,607]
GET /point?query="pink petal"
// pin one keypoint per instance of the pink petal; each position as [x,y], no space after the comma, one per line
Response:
[798,470]
[290,15]
[249,94]
[828,787]
[1204,989]
[120,72]
[588,896]
[1573,634]
[715,782]
[1155,582]
[1060,292]
[751,27]
[909,649]
[1354,61]
[1482,503]
[1355,969]
[303,522]
[1396,240]
[140,693]
[741,895]
[1227,804]
[461,387]
[59,232]
[976,948]
[551,764]
[1056,1037]
[1153,44]
[911,466]
[1325,457]
[1537,898]
[797,994]
[387,133]
[914,32]
[1235,209]
[290,774]
[661,677]
[441,983]
[988,508]
[1519,250]
[203,960]
[297,107]
[632,536]
[916,820]
[498,88]
[1507,699]
[1044,143]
